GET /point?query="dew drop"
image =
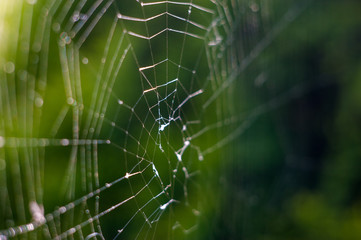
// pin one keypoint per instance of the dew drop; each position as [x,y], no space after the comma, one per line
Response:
[39,102]
[70,100]
[64,37]
[32,2]
[9,67]
[85,60]
[76,17]
[64,142]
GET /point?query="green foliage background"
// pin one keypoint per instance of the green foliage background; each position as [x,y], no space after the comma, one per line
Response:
[296,171]
[293,173]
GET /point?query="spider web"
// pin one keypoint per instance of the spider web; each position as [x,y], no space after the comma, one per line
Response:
[111,109]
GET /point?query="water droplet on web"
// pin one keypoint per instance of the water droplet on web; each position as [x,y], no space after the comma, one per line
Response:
[31,2]
[76,17]
[64,142]
[70,100]
[85,60]
[9,67]
[39,102]
[64,37]
[62,210]
[120,102]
